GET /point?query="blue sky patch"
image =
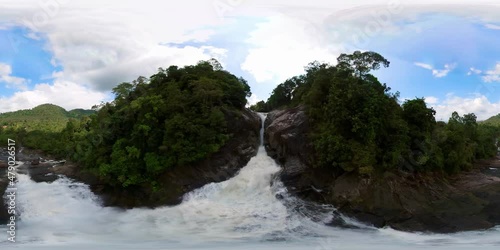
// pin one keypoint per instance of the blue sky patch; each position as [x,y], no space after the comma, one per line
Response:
[438,40]
[27,57]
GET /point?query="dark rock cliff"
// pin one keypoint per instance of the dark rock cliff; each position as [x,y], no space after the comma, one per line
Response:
[286,140]
[403,201]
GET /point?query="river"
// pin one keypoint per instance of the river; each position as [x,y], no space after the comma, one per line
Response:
[250,211]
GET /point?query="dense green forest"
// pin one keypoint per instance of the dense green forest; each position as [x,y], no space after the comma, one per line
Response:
[359,125]
[494,121]
[46,117]
[172,119]
[38,126]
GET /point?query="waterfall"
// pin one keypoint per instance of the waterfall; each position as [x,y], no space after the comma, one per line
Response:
[263,117]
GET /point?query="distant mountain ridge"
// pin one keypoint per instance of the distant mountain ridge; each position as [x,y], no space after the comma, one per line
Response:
[494,120]
[47,117]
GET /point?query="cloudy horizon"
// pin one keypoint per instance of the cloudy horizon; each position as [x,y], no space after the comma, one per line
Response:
[72,53]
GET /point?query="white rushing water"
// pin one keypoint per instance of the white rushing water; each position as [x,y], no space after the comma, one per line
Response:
[241,213]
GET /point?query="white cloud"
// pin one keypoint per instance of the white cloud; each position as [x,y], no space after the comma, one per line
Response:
[492,26]
[477,104]
[118,41]
[423,65]
[98,48]
[65,94]
[474,71]
[492,75]
[437,72]
[4,26]
[11,81]
[281,47]
[253,99]
[443,72]
[431,100]
[110,74]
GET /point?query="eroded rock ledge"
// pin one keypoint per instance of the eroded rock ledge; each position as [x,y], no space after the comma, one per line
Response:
[409,202]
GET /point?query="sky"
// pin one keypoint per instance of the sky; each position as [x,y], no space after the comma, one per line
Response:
[73,52]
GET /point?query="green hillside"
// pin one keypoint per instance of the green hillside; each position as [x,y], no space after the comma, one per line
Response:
[494,120]
[45,117]
[79,113]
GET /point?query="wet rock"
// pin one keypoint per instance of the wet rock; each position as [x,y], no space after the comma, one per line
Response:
[338,221]
[419,203]
[286,134]
[40,173]
[286,140]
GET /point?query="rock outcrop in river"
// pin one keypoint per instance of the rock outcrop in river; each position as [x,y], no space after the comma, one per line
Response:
[403,201]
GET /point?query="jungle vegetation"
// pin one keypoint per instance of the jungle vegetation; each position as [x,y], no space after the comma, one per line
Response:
[360,125]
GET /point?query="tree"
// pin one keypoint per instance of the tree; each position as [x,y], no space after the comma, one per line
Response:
[122,90]
[358,123]
[421,124]
[260,106]
[361,63]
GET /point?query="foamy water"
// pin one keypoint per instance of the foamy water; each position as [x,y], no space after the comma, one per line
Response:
[241,213]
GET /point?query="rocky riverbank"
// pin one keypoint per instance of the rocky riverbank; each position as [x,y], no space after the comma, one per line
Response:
[409,202]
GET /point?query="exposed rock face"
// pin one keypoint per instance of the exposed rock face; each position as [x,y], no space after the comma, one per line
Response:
[286,140]
[406,202]
[420,203]
[285,134]
[220,166]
